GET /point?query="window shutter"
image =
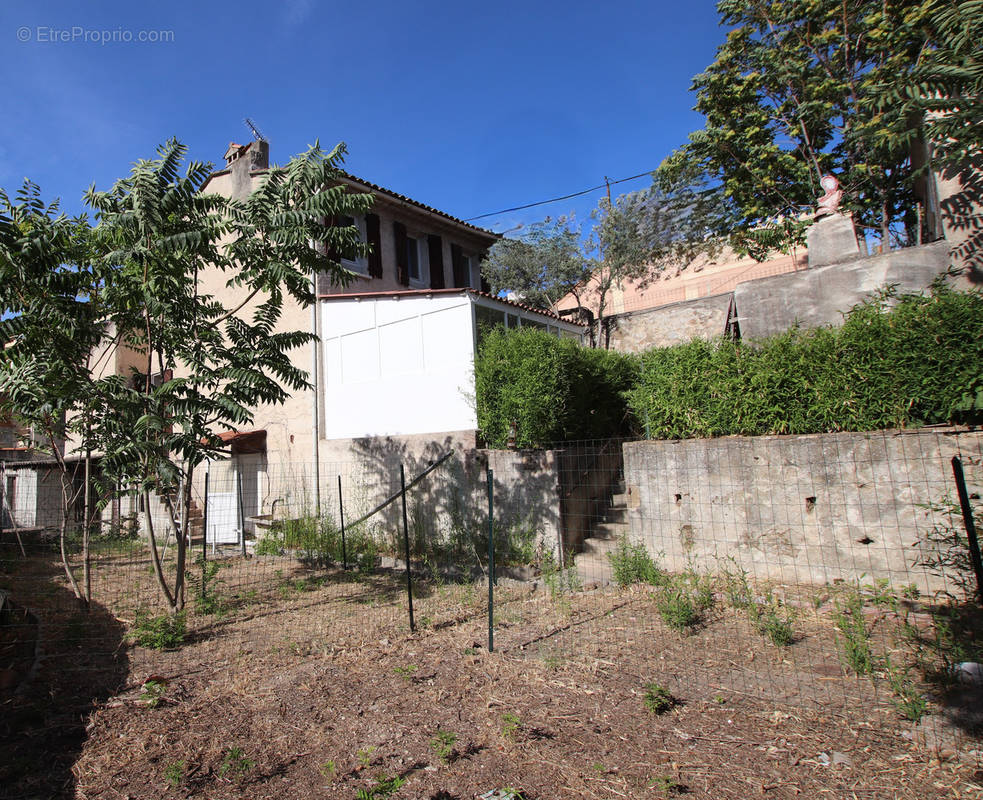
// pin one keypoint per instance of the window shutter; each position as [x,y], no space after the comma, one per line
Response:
[373,235]
[436,249]
[402,272]
[460,264]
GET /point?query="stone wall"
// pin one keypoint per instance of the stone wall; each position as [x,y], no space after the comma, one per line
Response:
[768,306]
[801,509]
[637,331]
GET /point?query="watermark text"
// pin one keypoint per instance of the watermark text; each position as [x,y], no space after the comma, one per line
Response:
[45,34]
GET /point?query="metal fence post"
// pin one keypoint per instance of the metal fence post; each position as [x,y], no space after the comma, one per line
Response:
[406,545]
[491,565]
[974,545]
[341,518]
[242,512]
[204,538]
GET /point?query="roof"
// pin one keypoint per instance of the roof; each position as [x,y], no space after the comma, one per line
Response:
[460,291]
[402,198]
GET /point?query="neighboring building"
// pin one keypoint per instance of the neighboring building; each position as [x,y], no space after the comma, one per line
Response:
[676,305]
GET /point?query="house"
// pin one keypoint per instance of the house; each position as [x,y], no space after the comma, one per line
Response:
[392,364]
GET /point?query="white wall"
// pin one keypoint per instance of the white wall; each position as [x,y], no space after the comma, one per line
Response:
[397,366]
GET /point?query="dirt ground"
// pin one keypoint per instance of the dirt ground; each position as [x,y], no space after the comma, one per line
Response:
[317,688]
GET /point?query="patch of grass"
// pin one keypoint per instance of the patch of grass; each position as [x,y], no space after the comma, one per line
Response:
[737,587]
[152,693]
[235,763]
[631,564]
[665,784]
[907,699]
[443,745]
[511,725]
[383,787]
[682,600]
[854,636]
[365,756]
[163,632]
[559,580]
[329,769]
[658,699]
[772,619]
[174,773]
[405,671]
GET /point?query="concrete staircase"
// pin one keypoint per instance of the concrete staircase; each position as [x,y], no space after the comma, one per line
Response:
[593,564]
[162,523]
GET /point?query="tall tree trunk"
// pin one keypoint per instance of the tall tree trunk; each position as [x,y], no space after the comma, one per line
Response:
[66,497]
[155,555]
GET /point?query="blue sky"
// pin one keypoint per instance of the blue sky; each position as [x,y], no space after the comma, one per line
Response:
[470,108]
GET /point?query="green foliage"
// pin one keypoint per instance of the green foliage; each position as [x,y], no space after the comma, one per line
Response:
[853,633]
[405,671]
[911,704]
[945,548]
[683,599]
[541,266]
[559,580]
[318,543]
[365,755]
[235,764]
[152,693]
[798,90]
[631,564]
[383,787]
[554,390]
[511,725]
[328,769]
[886,367]
[174,773]
[658,699]
[772,619]
[443,745]
[163,632]
[202,582]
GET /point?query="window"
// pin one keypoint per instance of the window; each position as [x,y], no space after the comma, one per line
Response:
[359,264]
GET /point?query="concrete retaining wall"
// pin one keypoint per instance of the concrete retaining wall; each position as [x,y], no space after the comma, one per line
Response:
[637,331]
[801,509]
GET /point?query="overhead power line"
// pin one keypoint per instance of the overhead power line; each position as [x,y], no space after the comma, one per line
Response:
[604,185]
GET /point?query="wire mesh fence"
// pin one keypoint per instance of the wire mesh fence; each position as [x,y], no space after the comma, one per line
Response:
[814,570]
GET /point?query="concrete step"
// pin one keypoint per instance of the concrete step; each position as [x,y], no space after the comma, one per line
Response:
[616,514]
[600,547]
[609,530]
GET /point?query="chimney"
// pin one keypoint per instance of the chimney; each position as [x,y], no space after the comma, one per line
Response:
[242,160]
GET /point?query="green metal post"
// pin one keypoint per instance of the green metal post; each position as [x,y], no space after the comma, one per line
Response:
[491,565]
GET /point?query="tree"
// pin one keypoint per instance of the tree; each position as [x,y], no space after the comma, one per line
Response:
[50,295]
[208,362]
[791,96]
[541,267]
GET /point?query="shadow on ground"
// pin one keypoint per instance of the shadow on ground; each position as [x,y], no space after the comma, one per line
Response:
[61,663]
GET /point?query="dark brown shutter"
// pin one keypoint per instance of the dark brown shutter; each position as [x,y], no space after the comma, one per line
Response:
[373,235]
[435,247]
[461,278]
[333,255]
[402,271]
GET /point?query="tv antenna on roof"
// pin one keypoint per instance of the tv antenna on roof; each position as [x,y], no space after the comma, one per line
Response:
[256,132]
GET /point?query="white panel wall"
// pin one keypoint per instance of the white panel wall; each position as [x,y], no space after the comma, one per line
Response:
[397,366]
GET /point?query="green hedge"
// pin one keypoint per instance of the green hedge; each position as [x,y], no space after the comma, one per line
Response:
[554,389]
[918,362]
